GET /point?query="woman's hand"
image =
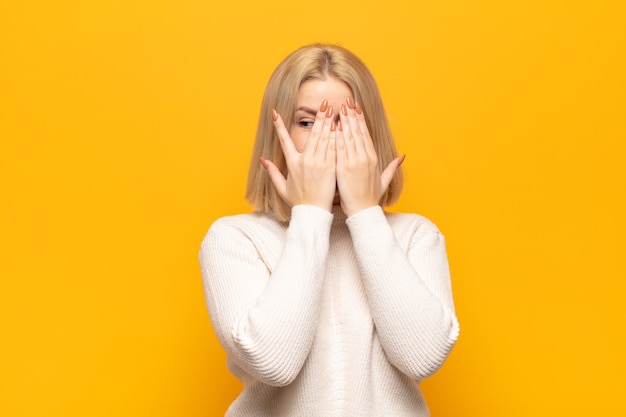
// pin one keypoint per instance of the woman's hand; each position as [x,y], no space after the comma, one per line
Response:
[359,179]
[310,173]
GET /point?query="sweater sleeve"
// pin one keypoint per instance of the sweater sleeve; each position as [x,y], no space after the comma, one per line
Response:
[266,317]
[409,292]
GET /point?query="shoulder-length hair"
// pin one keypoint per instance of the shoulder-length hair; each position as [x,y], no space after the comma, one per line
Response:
[317,61]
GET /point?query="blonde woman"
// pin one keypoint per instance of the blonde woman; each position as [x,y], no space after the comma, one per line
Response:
[326,304]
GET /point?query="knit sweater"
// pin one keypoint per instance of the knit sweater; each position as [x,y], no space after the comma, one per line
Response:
[328,316]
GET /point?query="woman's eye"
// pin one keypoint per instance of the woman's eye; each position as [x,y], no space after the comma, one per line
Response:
[306,124]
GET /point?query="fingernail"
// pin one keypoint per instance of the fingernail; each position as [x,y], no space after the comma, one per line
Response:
[263,161]
[339,126]
[357,108]
[344,110]
[332,126]
[402,160]
[274,115]
[324,105]
[329,113]
[350,102]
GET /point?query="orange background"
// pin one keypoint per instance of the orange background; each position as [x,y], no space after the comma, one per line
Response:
[126,128]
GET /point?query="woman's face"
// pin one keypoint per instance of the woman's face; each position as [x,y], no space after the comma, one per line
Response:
[308,102]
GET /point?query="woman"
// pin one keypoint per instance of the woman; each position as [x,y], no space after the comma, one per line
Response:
[325,304]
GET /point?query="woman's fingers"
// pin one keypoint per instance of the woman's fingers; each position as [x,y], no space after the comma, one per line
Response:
[341,153]
[286,143]
[347,126]
[359,177]
[367,142]
[310,177]
[323,141]
[320,130]
[389,172]
[331,150]
[355,129]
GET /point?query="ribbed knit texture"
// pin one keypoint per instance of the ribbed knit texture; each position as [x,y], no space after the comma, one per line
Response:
[329,316]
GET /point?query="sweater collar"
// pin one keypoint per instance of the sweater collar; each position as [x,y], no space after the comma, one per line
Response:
[339,217]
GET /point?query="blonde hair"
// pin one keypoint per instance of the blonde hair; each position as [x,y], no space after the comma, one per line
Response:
[319,62]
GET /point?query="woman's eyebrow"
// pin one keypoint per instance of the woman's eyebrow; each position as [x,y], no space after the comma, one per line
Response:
[306,110]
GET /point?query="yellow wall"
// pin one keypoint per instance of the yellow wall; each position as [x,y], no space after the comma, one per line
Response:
[126,129]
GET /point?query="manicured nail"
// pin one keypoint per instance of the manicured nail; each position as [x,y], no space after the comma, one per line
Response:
[333,126]
[357,108]
[329,112]
[402,160]
[339,126]
[263,162]
[324,105]
[274,115]
[350,102]
[344,110]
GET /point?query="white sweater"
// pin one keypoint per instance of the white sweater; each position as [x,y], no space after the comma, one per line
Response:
[329,316]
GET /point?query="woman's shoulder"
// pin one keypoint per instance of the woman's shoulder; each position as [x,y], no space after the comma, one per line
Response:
[246,221]
[413,223]
[255,234]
